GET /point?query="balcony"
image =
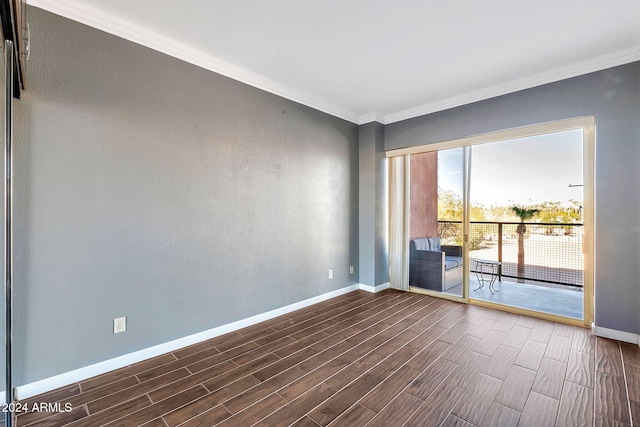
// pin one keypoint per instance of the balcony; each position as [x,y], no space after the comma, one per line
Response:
[552,279]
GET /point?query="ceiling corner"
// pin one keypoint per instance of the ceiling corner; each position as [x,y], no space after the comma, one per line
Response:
[371,117]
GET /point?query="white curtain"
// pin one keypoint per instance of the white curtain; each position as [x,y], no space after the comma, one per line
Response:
[399,222]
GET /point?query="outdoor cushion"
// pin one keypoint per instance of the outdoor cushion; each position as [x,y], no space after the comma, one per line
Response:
[426,244]
[434,243]
[421,244]
[452,262]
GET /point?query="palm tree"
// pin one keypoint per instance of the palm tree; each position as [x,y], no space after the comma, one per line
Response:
[524,214]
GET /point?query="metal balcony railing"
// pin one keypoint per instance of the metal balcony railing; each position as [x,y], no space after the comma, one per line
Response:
[552,251]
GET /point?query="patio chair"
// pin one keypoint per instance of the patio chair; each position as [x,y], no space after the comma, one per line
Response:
[434,266]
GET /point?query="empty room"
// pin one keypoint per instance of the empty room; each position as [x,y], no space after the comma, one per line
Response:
[291,213]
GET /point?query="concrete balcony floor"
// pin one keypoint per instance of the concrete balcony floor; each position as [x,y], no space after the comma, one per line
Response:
[564,301]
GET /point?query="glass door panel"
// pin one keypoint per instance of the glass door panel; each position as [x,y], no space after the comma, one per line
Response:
[436,217]
[526,231]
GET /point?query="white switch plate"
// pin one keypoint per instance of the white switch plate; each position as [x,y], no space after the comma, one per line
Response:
[351,270]
[331,273]
[119,325]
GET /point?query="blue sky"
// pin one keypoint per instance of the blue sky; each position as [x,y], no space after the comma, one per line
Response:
[519,171]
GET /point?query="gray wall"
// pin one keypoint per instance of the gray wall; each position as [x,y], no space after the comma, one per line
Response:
[373,226]
[153,189]
[613,96]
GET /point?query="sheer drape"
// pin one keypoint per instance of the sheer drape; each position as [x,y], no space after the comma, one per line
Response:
[399,222]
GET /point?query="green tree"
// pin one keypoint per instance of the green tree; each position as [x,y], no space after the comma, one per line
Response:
[556,212]
[449,209]
[449,205]
[478,212]
[524,214]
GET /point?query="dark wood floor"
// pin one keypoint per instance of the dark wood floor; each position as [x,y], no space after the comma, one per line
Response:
[388,359]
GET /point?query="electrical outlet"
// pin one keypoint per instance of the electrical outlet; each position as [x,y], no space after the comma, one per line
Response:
[331,273]
[351,270]
[119,325]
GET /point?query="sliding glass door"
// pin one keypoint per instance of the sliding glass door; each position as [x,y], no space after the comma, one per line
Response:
[503,220]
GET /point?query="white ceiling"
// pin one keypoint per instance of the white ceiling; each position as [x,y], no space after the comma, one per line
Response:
[383,60]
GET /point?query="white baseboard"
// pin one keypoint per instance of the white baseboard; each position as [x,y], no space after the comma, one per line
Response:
[48,384]
[373,289]
[614,334]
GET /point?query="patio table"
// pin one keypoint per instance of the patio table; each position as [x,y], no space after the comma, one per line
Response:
[489,268]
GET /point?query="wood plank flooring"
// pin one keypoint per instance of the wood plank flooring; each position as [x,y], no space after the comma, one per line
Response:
[386,359]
